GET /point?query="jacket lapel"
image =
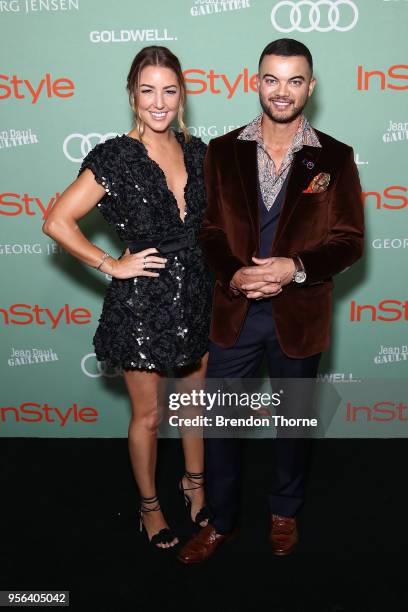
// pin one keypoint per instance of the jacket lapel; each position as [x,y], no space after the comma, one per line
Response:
[301,173]
[246,159]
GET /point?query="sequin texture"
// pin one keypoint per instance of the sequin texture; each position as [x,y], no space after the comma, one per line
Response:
[152,324]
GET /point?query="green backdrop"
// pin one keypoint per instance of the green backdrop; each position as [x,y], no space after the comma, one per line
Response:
[62,90]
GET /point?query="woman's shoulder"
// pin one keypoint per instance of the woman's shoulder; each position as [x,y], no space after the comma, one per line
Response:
[198,144]
[103,159]
[197,148]
[104,151]
[109,153]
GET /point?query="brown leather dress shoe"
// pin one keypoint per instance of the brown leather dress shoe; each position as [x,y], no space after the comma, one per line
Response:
[202,545]
[284,535]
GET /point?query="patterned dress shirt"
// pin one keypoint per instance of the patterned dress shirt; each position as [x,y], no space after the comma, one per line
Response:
[270,179]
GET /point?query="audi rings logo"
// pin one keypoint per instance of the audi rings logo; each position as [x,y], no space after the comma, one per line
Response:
[320,15]
[95,369]
[76,146]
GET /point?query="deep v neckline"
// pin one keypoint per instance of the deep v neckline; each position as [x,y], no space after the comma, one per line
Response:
[180,139]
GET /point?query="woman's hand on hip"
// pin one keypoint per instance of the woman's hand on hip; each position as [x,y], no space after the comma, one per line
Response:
[137,264]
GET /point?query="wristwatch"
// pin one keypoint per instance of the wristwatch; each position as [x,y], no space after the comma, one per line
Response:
[299,275]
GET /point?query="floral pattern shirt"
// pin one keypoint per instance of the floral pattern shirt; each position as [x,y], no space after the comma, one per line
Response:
[271,180]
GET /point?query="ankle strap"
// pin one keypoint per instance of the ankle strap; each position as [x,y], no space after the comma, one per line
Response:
[149,500]
[194,475]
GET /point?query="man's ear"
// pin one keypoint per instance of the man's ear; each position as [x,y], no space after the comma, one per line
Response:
[312,85]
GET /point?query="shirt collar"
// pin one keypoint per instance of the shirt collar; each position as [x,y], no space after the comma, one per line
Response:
[305,134]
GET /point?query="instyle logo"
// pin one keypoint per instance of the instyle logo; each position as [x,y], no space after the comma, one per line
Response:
[395,78]
[209,7]
[317,15]
[17,138]
[390,243]
[76,146]
[379,411]
[96,369]
[202,81]
[396,132]
[38,6]
[124,36]
[26,314]
[32,412]
[387,311]
[15,204]
[47,87]
[22,357]
[392,198]
[391,354]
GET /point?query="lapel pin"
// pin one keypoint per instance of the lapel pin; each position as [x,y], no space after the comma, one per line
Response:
[309,164]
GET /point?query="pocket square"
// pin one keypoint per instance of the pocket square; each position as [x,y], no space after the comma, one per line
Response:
[319,183]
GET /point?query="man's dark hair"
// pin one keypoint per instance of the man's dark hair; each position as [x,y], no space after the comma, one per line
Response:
[287,47]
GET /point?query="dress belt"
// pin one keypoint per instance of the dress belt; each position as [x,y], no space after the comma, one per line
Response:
[185,240]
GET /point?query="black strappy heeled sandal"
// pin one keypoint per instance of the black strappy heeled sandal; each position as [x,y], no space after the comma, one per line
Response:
[164,536]
[204,513]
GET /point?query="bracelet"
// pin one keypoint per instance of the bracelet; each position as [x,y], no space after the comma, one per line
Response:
[105,256]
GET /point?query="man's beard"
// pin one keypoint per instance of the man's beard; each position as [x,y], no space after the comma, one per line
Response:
[297,110]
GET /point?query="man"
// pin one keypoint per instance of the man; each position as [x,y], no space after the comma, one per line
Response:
[284,215]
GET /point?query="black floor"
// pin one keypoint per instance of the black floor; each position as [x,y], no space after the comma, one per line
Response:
[69,522]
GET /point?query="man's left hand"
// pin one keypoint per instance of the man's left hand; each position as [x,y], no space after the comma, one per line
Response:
[268,276]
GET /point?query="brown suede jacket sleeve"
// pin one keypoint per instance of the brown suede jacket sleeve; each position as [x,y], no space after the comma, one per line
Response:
[213,238]
[345,241]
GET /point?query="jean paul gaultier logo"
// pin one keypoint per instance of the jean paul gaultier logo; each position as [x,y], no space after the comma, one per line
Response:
[210,7]
[38,6]
[22,357]
[391,354]
[17,138]
[396,131]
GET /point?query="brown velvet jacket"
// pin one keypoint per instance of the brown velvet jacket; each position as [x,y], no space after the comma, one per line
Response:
[325,229]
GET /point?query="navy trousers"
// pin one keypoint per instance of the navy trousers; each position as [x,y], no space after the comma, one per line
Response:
[290,456]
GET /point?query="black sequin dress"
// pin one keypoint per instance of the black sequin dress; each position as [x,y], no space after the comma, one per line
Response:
[161,323]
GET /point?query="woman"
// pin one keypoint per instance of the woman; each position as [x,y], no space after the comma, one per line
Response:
[149,185]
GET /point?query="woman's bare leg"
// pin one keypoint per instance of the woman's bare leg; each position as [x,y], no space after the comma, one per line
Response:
[193,446]
[142,440]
